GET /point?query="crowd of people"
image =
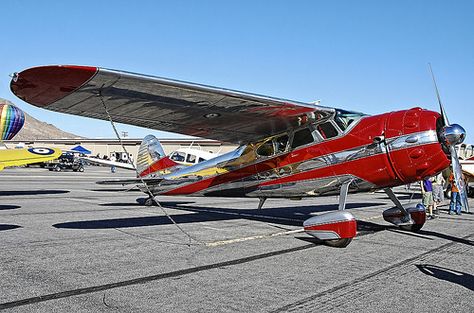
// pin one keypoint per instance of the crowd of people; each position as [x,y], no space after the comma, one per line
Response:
[432,190]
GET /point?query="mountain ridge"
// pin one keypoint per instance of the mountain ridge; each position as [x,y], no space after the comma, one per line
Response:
[34,129]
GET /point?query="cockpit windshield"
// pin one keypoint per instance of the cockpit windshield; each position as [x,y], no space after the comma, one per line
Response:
[345,118]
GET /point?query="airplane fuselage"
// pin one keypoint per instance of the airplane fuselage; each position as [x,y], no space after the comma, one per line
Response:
[316,158]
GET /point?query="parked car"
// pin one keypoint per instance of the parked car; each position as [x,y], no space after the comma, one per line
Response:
[67,161]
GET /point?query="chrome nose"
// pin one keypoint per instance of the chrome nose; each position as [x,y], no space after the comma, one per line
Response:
[453,134]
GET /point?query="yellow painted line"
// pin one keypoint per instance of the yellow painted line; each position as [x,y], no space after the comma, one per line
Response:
[230,241]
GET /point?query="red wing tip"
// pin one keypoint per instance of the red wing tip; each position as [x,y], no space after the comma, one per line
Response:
[44,85]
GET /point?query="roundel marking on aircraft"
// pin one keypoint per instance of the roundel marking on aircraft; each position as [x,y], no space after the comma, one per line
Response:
[41,151]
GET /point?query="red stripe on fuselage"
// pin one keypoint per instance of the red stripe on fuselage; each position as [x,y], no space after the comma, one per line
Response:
[159,165]
[359,136]
[375,169]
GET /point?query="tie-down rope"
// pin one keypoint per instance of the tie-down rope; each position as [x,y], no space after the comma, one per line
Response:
[148,191]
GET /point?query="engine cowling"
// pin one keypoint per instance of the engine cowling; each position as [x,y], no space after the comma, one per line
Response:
[417,152]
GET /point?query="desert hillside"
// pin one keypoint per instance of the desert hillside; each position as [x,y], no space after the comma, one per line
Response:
[36,129]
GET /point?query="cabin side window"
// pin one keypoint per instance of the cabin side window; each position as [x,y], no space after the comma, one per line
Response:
[344,119]
[302,137]
[191,158]
[273,146]
[327,130]
[281,143]
[178,156]
[266,149]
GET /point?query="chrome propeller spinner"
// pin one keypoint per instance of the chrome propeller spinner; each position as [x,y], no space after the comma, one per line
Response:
[452,135]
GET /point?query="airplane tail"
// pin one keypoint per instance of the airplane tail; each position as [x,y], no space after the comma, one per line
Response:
[151,158]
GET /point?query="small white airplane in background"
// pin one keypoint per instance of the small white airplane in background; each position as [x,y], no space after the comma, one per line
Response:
[190,156]
[152,158]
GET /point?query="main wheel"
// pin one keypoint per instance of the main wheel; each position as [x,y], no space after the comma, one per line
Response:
[338,243]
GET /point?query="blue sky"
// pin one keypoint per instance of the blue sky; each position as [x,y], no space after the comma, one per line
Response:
[368,56]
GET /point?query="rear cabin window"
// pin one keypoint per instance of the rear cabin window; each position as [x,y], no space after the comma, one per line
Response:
[327,130]
[191,158]
[302,137]
[266,149]
[344,118]
[201,160]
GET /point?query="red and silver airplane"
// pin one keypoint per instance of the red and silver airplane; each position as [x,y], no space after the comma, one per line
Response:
[286,149]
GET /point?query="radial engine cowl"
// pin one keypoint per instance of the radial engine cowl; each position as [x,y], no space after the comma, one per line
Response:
[453,134]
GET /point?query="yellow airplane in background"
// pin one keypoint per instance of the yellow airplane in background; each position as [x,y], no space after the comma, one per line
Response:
[17,157]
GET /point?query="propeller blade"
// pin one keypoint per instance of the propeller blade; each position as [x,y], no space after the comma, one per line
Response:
[457,170]
[441,108]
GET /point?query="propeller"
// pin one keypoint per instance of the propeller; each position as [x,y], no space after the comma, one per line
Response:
[452,135]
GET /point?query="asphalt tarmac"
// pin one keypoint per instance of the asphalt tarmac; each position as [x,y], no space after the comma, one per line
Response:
[69,245]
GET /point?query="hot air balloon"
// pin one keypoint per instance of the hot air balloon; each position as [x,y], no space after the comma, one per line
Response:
[11,121]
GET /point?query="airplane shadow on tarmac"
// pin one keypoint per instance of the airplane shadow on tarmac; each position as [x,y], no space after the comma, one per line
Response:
[8,227]
[9,207]
[447,237]
[292,216]
[428,234]
[32,192]
[165,204]
[115,189]
[464,279]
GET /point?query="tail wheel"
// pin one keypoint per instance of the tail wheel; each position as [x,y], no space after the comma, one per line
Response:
[149,202]
[338,243]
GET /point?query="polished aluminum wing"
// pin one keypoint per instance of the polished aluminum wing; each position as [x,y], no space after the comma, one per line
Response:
[162,104]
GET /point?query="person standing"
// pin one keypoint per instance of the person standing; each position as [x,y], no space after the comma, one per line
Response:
[455,204]
[438,192]
[112,159]
[427,193]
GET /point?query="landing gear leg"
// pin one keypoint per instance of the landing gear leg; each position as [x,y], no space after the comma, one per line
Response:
[343,194]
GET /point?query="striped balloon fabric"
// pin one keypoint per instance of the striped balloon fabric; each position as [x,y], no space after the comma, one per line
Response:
[11,121]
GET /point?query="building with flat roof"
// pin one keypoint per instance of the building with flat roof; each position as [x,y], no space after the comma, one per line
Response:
[107,146]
